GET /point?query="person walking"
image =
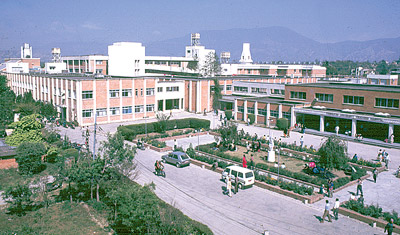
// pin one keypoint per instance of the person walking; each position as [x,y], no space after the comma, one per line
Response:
[359,187]
[229,185]
[330,185]
[375,174]
[389,227]
[326,212]
[175,144]
[244,161]
[236,184]
[387,159]
[301,141]
[336,209]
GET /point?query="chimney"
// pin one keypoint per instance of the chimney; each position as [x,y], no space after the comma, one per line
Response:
[246,56]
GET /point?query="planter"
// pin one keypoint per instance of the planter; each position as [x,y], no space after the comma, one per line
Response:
[8,163]
[366,219]
[165,149]
[369,168]
[350,183]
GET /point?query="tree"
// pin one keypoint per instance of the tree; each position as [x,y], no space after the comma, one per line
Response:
[115,151]
[193,65]
[229,134]
[28,128]
[382,67]
[333,153]
[29,157]
[19,199]
[216,95]
[161,125]
[7,101]
[211,66]
[282,123]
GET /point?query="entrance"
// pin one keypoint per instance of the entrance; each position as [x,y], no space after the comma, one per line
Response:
[373,130]
[331,123]
[309,121]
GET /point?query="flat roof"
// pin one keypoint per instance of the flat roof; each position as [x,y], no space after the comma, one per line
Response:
[263,99]
[350,86]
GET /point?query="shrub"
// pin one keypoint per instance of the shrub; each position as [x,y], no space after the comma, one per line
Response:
[282,123]
[158,144]
[183,123]
[228,114]
[19,198]
[29,157]
[373,211]
[70,153]
[252,118]
[52,154]
[199,123]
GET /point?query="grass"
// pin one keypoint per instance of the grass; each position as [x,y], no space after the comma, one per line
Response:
[62,218]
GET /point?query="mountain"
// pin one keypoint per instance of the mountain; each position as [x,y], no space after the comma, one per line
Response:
[266,44]
[279,43]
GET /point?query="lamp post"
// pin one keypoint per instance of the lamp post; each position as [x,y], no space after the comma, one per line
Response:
[279,154]
[198,139]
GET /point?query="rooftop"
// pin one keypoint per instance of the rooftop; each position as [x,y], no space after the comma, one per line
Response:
[350,86]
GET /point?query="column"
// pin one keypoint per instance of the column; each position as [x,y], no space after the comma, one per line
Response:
[164,106]
[120,99]
[292,117]
[245,111]
[391,127]
[321,123]
[280,111]
[79,102]
[225,86]
[108,99]
[198,97]
[209,94]
[268,113]
[190,96]
[255,111]
[73,66]
[235,110]
[353,127]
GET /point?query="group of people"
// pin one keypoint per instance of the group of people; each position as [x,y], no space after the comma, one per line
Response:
[254,146]
[244,162]
[383,156]
[327,209]
[159,167]
[230,184]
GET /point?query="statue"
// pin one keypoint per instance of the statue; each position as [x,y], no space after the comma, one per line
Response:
[271,152]
[271,143]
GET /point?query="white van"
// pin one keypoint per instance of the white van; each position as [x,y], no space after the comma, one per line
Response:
[245,176]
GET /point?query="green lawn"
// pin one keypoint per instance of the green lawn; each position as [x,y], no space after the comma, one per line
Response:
[62,218]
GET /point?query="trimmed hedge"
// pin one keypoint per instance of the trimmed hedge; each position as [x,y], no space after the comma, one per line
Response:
[363,162]
[282,123]
[228,114]
[252,118]
[130,131]
[290,186]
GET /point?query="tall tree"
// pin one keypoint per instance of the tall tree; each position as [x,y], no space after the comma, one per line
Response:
[27,129]
[211,66]
[382,68]
[7,101]
[333,153]
[216,95]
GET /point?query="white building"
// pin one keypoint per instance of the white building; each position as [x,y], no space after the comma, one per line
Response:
[54,67]
[126,59]
[13,66]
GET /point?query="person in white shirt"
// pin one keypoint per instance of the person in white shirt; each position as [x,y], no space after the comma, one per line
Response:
[336,209]
[326,212]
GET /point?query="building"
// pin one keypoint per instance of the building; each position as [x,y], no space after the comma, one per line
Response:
[369,110]
[92,64]
[392,80]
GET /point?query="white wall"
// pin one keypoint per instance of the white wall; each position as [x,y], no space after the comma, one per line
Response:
[55,67]
[126,59]
[17,67]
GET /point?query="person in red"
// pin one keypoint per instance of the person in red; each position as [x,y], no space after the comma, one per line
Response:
[244,161]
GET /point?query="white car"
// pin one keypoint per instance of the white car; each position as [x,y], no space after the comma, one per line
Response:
[245,176]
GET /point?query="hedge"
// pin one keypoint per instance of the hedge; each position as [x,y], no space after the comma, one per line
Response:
[282,123]
[130,131]
[228,114]
[252,118]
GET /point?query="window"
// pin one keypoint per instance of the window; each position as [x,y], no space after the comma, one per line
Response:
[69,93]
[172,88]
[114,93]
[141,91]
[101,112]
[297,95]
[286,115]
[127,109]
[159,89]
[87,113]
[240,174]
[241,109]
[99,71]
[357,100]
[324,97]
[136,92]
[249,174]
[150,108]
[126,92]
[74,94]
[262,112]
[114,111]
[99,62]
[250,110]
[87,94]
[139,109]
[259,90]
[240,89]
[149,91]
[274,113]
[386,103]
[228,87]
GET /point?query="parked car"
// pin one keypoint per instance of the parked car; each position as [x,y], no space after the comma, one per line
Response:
[245,176]
[178,159]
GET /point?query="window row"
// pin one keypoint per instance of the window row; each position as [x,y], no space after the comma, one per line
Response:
[101,112]
[116,93]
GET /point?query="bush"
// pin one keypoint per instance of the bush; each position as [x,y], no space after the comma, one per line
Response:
[373,211]
[29,157]
[52,154]
[70,153]
[19,198]
[199,123]
[252,118]
[183,123]
[228,114]
[282,123]
[158,144]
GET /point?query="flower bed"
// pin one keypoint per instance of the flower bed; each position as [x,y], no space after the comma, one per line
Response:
[369,214]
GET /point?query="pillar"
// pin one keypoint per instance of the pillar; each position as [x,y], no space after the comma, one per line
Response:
[245,111]
[280,111]
[353,127]
[190,96]
[268,113]
[292,117]
[235,110]
[163,108]
[321,123]
[255,111]
[391,127]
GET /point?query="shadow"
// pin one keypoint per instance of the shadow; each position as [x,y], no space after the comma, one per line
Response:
[318,217]
[352,193]
[370,180]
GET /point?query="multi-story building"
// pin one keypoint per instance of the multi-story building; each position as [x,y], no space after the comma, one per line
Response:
[94,64]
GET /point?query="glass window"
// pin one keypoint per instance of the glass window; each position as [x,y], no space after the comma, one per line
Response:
[250,110]
[173,88]
[150,108]
[262,112]
[241,109]
[126,92]
[99,62]
[87,113]
[274,113]
[240,174]
[114,111]
[249,174]
[240,89]
[87,94]
[184,157]
[127,109]
[234,172]
[386,103]
[159,89]
[149,91]
[101,112]
[324,97]
[228,87]
[141,91]
[136,92]
[139,108]
[114,93]
[298,95]
[357,100]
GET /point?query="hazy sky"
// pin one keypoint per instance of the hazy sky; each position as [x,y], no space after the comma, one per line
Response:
[51,21]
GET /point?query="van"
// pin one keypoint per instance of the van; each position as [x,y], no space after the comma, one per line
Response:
[245,176]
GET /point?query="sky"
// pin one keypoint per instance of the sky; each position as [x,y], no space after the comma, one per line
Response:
[52,21]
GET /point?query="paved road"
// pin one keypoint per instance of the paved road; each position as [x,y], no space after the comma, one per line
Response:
[199,194]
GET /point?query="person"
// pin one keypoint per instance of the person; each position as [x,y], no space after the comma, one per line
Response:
[301,141]
[276,164]
[361,200]
[375,174]
[355,158]
[392,138]
[252,162]
[336,209]
[247,147]
[175,144]
[248,121]
[359,187]
[264,138]
[387,159]
[389,227]
[220,117]
[326,212]
[229,185]
[170,113]
[383,155]
[158,167]
[288,132]
[330,185]
[236,184]
[214,165]
[352,197]
[285,132]
[398,172]
[380,155]
[244,161]
[337,130]
[283,166]
[322,189]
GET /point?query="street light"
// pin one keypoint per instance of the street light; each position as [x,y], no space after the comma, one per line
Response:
[279,154]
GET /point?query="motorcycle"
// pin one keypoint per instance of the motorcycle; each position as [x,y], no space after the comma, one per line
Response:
[160,172]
